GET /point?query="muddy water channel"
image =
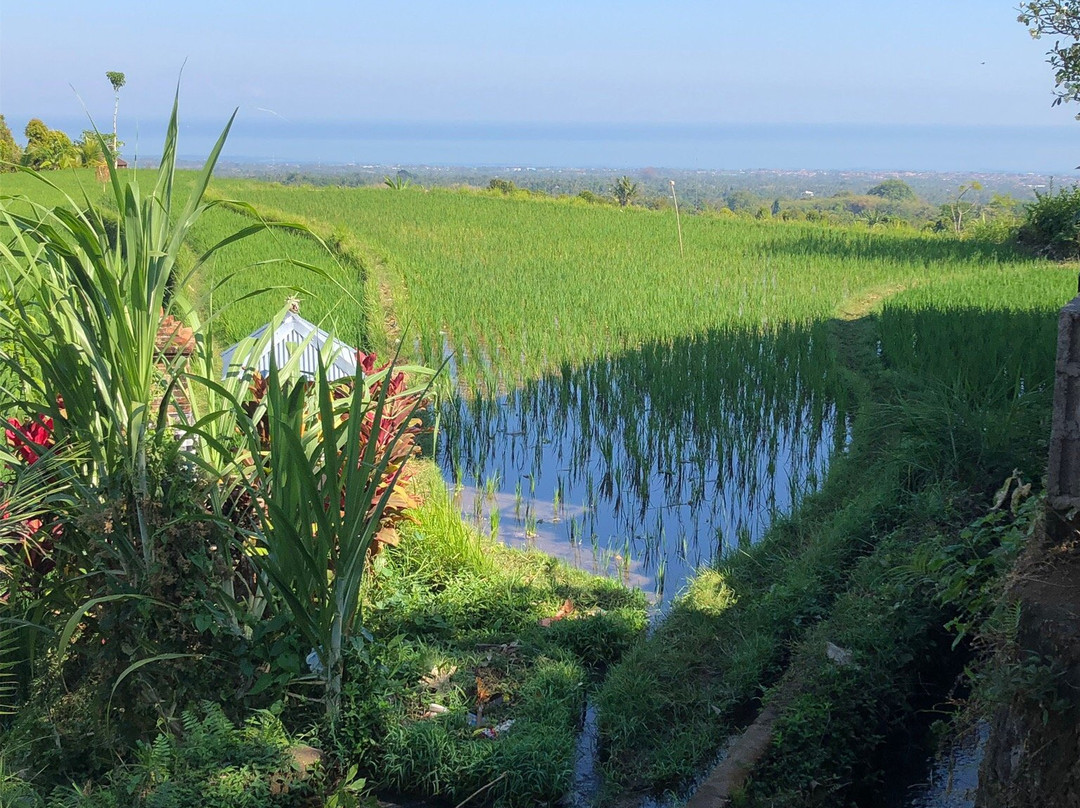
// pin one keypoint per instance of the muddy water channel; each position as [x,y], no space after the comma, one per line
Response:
[652,463]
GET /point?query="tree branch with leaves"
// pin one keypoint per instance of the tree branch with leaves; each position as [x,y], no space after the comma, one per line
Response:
[1057,18]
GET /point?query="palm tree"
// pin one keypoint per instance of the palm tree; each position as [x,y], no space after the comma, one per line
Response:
[117,80]
[625,190]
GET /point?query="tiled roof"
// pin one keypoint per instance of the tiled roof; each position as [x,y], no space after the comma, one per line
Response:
[174,338]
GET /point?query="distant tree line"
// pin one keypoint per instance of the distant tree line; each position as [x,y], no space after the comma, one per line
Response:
[49,149]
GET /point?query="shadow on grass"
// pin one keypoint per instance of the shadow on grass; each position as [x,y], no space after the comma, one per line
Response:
[956,401]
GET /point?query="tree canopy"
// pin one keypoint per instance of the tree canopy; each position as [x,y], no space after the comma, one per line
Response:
[47,148]
[116,78]
[1057,18]
[9,149]
[625,190]
[896,190]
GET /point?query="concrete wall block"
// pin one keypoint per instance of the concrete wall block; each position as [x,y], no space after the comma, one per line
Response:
[1063,479]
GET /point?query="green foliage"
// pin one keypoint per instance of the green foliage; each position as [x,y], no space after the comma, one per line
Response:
[893,189]
[10,153]
[1052,224]
[625,191]
[73,285]
[838,715]
[116,79]
[967,574]
[967,571]
[91,152]
[47,149]
[206,761]
[672,701]
[333,458]
[506,187]
[835,716]
[592,198]
[142,574]
[1057,18]
[15,790]
[452,618]
[397,183]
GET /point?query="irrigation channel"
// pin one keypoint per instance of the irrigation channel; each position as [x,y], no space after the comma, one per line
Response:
[650,464]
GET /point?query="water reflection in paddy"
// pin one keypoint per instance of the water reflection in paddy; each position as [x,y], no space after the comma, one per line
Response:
[650,464]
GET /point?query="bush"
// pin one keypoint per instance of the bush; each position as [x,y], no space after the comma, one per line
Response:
[1052,226]
[502,186]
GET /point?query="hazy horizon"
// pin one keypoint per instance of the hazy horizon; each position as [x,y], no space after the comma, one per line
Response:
[1047,149]
[917,85]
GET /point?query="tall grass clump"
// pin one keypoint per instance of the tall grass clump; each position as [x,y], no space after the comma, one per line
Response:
[332,457]
[84,303]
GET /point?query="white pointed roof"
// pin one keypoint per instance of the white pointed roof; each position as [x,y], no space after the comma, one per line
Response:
[290,334]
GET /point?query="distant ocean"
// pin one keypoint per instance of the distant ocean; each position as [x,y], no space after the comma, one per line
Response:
[267,140]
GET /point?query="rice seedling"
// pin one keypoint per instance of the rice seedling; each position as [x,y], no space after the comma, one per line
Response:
[491,486]
[478,506]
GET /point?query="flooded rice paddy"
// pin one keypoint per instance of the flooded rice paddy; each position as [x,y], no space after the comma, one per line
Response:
[650,464]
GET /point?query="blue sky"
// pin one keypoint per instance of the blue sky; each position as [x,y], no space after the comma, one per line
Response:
[773,61]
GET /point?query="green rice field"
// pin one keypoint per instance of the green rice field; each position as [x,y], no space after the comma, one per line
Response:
[639,411]
[752,430]
[517,287]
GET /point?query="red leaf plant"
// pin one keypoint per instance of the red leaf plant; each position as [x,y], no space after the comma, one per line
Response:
[29,440]
[396,417]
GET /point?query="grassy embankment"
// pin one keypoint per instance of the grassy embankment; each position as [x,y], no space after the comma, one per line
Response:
[952,374]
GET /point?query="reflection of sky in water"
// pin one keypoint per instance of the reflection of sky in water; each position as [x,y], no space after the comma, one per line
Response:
[648,466]
[953,776]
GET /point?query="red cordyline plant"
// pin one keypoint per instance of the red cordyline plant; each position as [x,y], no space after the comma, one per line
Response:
[28,440]
[396,429]
[31,438]
[397,432]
